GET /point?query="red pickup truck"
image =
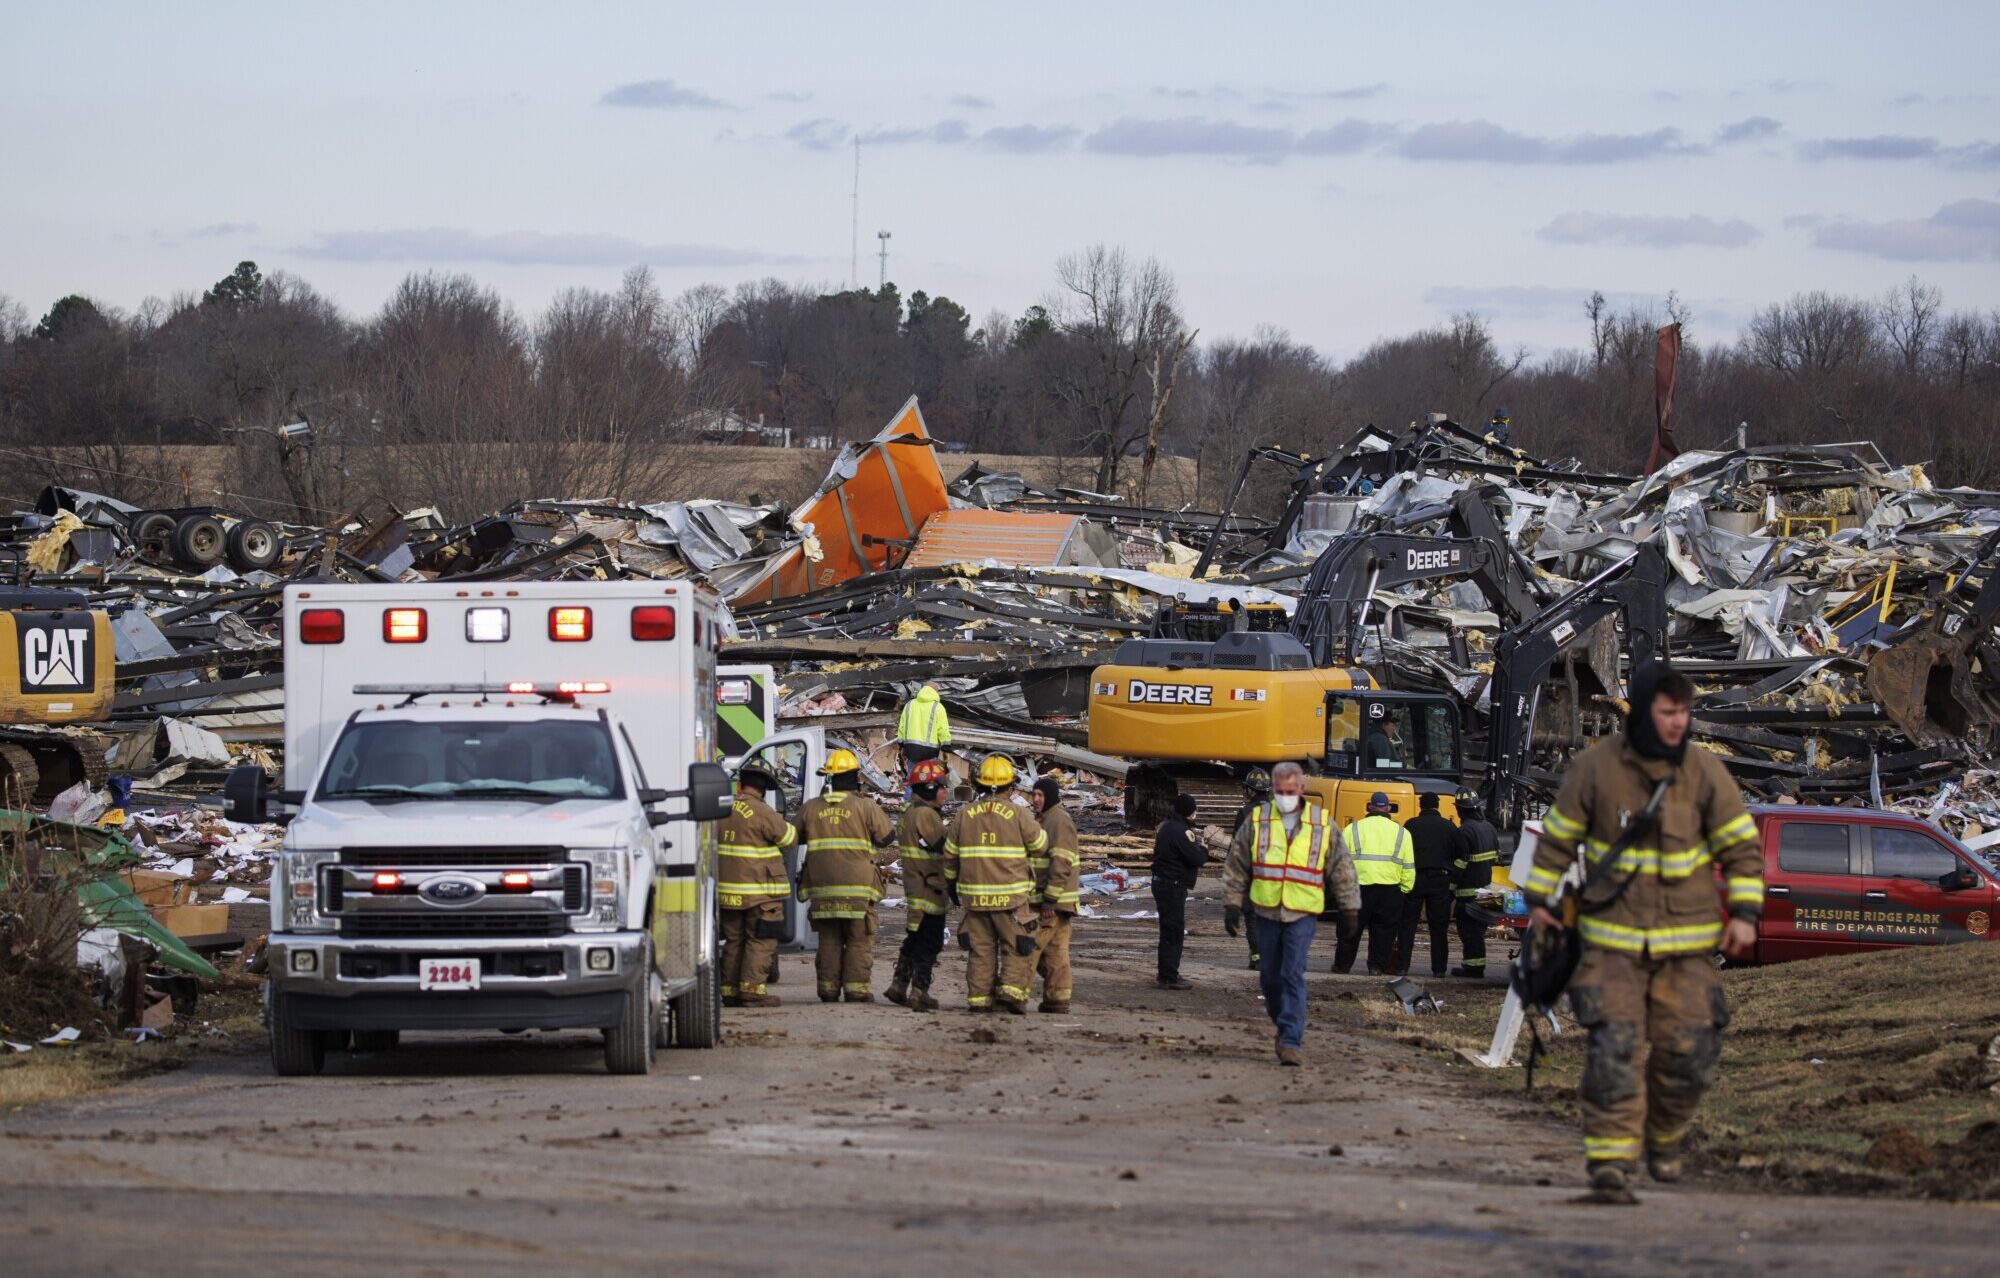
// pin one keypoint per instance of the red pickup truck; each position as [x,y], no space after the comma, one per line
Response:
[1843,880]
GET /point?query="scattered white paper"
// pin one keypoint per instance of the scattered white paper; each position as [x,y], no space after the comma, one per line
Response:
[183,868]
[236,895]
[12,1046]
[67,1034]
[142,1034]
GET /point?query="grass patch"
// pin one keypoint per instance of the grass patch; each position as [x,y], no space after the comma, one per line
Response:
[225,1021]
[1868,1073]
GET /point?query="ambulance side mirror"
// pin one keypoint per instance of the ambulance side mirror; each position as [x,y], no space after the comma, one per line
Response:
[245,798]
[711,794]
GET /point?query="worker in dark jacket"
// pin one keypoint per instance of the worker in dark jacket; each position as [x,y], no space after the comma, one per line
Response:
[1478,853]
[1434,843]
[1256,789]
[1177,860]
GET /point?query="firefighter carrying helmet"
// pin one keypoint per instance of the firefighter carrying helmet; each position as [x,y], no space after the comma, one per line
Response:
[838,762]
[996,772]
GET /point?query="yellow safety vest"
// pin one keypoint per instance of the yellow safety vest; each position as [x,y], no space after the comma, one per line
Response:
[1382,853]
[1289,875]
[924,721]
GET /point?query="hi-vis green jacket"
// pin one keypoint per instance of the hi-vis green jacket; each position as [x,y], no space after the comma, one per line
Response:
[1670,906]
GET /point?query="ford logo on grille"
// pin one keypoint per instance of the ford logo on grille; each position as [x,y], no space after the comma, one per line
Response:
[451,889]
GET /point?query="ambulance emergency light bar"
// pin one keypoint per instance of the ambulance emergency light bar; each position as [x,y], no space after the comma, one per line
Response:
[489,624]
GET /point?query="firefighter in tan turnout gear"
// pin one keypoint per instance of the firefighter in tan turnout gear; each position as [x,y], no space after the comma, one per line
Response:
[987,871]
[1649,925]
[842,879]
[1057,894]
[920,847]
[751,887]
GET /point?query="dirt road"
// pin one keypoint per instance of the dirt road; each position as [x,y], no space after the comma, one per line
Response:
[1148,1133]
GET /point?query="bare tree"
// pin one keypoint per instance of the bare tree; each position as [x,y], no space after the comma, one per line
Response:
[1909,318]
[1120,316]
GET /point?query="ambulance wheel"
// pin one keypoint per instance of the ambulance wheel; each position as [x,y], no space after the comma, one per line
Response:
[631,1046]
[698,1013]
[294,1052]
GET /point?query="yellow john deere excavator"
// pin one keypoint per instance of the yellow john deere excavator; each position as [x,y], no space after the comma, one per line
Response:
[56,667]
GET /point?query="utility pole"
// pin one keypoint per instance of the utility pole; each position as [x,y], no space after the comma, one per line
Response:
[882,277]
[854,231]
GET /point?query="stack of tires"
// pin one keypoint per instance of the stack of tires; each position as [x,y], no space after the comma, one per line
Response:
[198,541]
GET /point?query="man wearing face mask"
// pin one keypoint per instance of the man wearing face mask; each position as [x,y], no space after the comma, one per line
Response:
[1288,855]
[1650,925]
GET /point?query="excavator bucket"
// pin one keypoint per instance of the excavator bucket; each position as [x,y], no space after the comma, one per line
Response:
[1924,682]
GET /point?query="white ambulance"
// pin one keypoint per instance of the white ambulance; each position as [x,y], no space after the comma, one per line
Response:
[481,833]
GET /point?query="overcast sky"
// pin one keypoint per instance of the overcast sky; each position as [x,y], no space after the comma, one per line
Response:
[1342,177]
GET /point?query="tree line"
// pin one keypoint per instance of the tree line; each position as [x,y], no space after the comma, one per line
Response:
[448,396]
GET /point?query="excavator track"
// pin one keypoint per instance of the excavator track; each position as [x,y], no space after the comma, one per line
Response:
[38,766]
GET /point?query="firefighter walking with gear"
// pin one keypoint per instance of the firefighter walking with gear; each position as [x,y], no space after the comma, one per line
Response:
[841,878]
[1058,893]
[987,871]
[920,844]
[751,888]
[1648,816]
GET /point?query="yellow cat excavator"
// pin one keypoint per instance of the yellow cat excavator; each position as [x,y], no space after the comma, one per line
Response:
[56,667]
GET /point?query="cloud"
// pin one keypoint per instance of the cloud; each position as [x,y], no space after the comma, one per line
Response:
[1757,126]
[788,95]
[1803,221]
[1882,146]
[970,102]
[1345,138]
[1642,231]
[943,133]
[215,230]
[515,248]
[661,95]
[1962,231]
[1188,135]
[1482,141]
[819,134]
[1024,139]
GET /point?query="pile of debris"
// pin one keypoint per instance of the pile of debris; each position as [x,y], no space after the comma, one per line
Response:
[1835,609]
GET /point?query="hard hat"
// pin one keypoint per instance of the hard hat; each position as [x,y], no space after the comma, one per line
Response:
[929,772]
[1257,779]
[758,775]
[996,771]
[1499,414]
[839,761]
[1379,799]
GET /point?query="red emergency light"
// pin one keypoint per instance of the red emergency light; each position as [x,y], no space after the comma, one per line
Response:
[322,625]
[518,880]
[388,881]
[403,625]
[569,625]
[653,622]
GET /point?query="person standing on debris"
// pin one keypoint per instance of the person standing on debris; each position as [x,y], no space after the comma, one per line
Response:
[920,841]
[1287,855]
[1478,853]
[1177,860]
[1057,870]
[1434,846]
[1387,870]
[1649,926]
[1501,428]
[750,888]
[840,878]
[923,729]
[986,870]
[1256,789]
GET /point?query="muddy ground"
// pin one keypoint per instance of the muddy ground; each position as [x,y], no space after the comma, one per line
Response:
[1149,1132]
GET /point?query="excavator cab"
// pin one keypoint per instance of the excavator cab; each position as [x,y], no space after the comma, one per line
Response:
[1401,743]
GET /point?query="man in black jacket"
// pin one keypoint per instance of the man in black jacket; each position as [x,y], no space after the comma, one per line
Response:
[1434,840]
[1177,860]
